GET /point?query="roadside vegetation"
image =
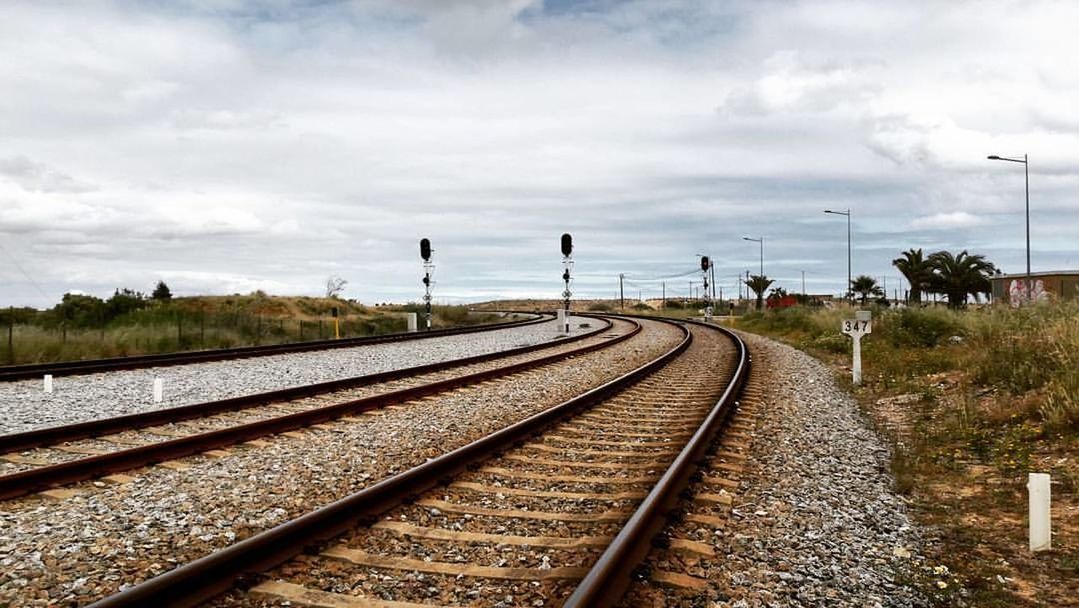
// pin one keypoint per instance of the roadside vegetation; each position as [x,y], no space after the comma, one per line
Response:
[972,400]
[133,323]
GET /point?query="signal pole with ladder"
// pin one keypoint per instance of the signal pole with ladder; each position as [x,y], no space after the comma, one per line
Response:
[428,268]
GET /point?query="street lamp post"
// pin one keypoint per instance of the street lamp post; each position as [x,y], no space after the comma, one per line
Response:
[850,293]
[1026,175]
[761,241]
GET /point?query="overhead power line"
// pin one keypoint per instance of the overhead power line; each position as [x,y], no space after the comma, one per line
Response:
[26,274]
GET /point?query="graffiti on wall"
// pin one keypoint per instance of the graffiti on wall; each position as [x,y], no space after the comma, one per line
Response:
[1017,292]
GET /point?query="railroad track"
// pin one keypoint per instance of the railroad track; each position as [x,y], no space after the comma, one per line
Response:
[9,373]
[51,457]
[558,508]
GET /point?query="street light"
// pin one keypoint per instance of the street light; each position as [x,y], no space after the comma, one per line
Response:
[761,241]
[1026,174]
[850,292]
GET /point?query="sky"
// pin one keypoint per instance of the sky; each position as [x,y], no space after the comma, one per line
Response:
[229,146]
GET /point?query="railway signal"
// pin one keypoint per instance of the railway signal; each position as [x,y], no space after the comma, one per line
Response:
[428,268]
[706,266]
[567,264]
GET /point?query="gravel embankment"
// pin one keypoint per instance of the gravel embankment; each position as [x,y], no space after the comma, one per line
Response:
[74,551]
[816,521]
[77,398]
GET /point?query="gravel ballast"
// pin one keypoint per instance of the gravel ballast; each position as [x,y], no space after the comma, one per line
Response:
[816,521]
[72,551]
[26,406]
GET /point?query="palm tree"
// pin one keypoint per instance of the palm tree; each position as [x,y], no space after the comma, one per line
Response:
[917,270]
[958,276]
[759,283]
[865,286]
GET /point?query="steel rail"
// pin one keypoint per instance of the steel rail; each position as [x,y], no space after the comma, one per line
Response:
[89,366]
[14,442]
[609,577]
[208,576]
[33,480]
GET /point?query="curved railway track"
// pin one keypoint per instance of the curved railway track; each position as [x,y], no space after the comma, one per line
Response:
[90,366]
[55,456]
[559,507]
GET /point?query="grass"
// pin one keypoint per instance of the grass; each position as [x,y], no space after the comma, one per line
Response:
[211,322]
[972,401]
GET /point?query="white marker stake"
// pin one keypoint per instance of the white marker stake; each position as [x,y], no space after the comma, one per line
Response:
[856,367]
[48,384]
[857,327]
[412,325]
[563,322]
[1040,533]
[159,390]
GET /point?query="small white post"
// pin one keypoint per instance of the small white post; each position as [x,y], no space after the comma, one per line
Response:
[563,321]
[1040,525]
[48,384]
[159,390]
[856,367]
[856,328]
[412,325]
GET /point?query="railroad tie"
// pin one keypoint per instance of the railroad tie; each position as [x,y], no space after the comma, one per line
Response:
[503,472]
[549,542]
[600,516]
[363,558]
[313,598]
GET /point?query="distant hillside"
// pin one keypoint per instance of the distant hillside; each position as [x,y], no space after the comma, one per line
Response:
[531,305]
[258,303]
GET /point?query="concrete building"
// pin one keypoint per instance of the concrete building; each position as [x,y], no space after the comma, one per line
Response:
[1051,286]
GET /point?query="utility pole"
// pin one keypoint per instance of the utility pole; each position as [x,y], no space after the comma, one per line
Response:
[803,282]
[11,334]
[621,291]
[663,302]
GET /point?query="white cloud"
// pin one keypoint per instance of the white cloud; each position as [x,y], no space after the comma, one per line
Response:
[38,177]
[945,221]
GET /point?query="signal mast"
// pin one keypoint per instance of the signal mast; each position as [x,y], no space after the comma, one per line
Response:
[706,264]
[428,268]
[567,264]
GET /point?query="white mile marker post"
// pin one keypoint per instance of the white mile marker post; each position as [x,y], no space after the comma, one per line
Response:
[48,384]
[857,327]
[159,390]
[1040,525]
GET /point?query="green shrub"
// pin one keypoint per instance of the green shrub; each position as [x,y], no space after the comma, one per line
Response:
[1027,348]
[832,342]
[921,326]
